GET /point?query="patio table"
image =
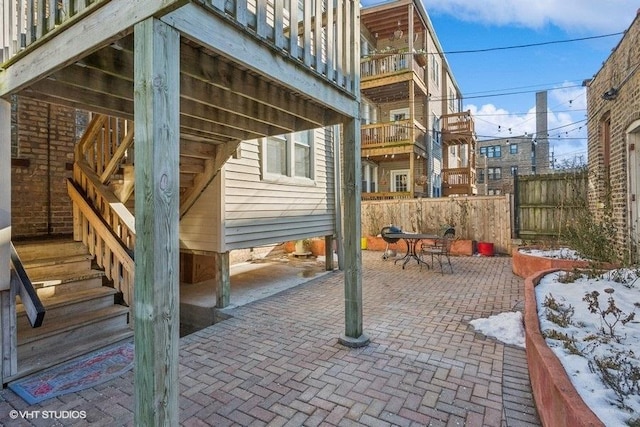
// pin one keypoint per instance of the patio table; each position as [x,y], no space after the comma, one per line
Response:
[412,240]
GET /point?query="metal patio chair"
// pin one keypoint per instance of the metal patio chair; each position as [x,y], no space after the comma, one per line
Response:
[441,248]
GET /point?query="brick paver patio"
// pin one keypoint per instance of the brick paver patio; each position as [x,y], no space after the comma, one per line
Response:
[278,362]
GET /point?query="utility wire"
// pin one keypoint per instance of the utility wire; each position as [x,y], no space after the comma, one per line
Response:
[489,49]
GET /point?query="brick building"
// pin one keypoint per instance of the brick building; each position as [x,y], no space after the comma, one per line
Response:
[500,159]
[613,99]
[42,142]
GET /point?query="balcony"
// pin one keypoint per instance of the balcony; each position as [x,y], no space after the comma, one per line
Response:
[392,137]
[457,128]
[383,65]
[459,181]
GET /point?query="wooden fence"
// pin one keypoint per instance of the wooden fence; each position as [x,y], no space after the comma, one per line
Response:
[479,218]
[545,204]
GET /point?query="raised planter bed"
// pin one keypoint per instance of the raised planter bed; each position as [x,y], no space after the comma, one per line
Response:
[524,264]
[557,400]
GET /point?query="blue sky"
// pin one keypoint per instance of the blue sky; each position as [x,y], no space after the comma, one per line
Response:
[559,68]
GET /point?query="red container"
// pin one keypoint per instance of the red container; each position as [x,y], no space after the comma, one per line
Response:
[485,248]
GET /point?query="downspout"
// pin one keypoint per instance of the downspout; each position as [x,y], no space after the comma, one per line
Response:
[337,167]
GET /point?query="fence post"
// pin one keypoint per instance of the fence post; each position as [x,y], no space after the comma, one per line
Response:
[515,211]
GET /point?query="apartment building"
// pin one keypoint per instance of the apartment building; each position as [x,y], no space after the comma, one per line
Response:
[416,140]
[501,159]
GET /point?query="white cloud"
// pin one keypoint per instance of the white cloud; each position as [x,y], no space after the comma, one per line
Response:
[575,15]
[565,122]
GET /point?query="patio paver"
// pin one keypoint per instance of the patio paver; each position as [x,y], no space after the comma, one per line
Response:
[278,362]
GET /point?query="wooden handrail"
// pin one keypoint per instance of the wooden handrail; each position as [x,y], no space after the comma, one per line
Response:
[110,251]
[112,211]
[23,287]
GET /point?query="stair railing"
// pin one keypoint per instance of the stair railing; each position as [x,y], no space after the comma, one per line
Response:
[22,286]
[100,237]
[101,220]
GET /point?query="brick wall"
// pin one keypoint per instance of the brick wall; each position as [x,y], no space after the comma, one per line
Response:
[608,181]
[39,202]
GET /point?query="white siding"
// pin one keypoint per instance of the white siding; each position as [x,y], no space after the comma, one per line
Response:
[200,228]
[248,211]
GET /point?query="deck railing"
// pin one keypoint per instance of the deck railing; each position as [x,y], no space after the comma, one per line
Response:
[26,21]
[380,65]
[397,132]
[458,123]
[387,195]
[458,176]
[323,35]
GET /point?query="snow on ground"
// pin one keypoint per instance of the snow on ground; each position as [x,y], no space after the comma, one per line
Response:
[506,327]
[583,327]
[561,253]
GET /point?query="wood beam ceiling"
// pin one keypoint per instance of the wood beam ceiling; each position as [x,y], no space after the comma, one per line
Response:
[219,102]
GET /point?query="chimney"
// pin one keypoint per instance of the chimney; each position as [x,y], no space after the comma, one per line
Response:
[541,156]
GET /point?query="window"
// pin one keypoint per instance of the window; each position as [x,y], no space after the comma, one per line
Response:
[480,176]
[452,100]
[400,181]
[277,155]
[514,170]
[513,148]
[369,177]
[289,155]
[494,174]
[435,70]
[491,151]
[399,114]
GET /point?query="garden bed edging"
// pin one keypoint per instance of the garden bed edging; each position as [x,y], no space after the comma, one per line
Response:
[557,400]
[524,265]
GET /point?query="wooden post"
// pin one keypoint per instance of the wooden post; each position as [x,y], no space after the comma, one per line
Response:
[353,336]
[157,149]
[7,298]
[328,253]
[223,283]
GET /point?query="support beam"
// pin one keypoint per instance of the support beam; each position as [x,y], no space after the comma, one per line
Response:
[157,150]
[5,194]
[7,297]
[328,253]
[222,280]
[354,336]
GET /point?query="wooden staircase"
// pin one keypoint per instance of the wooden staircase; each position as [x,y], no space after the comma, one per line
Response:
[81,313]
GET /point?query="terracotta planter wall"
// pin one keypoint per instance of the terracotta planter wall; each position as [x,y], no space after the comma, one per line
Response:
[524,265]
[374,243]
[557,401]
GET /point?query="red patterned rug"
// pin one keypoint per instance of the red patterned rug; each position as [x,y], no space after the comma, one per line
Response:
[78,374]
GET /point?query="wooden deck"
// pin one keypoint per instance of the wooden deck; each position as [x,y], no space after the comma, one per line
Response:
[233,56]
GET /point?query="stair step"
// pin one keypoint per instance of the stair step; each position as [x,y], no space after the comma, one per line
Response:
[51,267]
[68,351]
[64,331]
[38,249]
[71,304]
[64,284]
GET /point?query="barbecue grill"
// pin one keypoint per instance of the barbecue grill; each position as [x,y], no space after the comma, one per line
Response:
[388,253]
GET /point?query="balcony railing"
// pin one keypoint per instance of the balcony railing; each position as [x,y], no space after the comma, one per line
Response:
[387,195]
[458,123]
[380,65]
[27,21]
[321,35]
[458,176]
[392,133]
